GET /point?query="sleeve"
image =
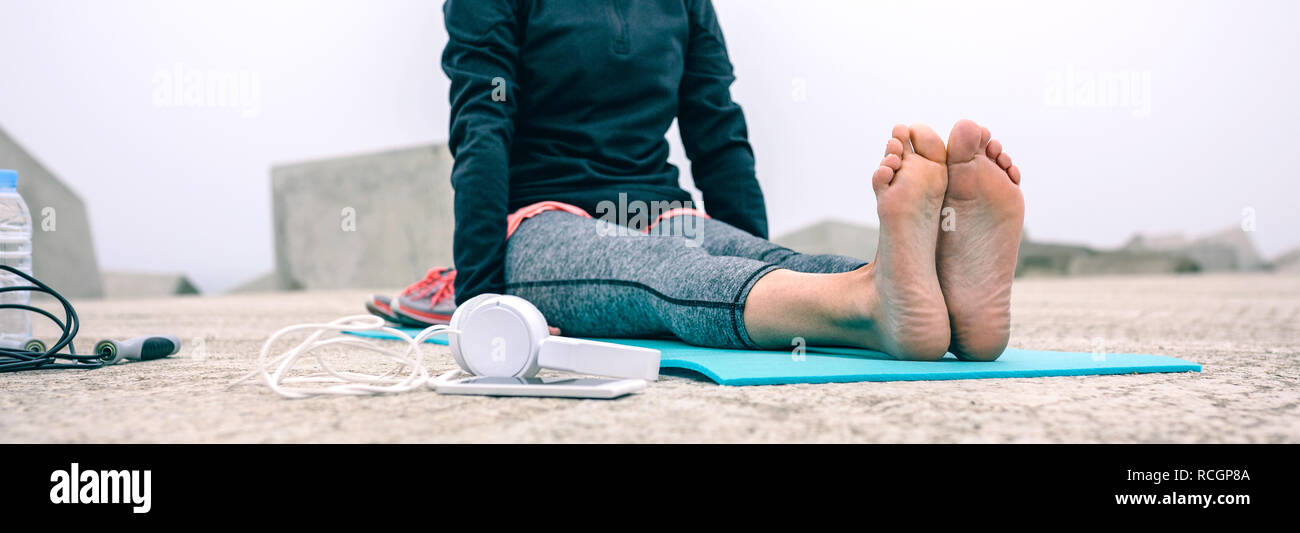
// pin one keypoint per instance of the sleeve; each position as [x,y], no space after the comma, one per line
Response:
[713,128]
[480,62]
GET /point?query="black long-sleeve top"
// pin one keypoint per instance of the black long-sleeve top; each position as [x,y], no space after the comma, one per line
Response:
[569,100]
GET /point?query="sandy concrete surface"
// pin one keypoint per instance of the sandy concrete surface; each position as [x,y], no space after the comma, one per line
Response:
[1244,330]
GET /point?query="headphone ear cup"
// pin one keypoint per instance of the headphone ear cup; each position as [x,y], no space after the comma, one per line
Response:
[500,335]
[531,313]
[535,322]
[458,318]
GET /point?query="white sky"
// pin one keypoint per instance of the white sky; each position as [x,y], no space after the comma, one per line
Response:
[188,188]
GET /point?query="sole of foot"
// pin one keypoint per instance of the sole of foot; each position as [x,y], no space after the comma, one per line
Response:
[983,214]
[908,310]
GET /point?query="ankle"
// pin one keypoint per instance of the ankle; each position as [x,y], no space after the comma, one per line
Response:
[860,309]
[920,335]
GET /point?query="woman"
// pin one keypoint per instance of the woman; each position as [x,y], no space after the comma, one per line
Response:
[558,112]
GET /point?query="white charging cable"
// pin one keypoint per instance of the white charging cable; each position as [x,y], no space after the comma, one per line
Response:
[409,373]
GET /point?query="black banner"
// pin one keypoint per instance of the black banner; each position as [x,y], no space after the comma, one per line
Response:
[323,483]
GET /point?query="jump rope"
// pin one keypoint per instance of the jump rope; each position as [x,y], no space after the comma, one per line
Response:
[34,355]
[409,374]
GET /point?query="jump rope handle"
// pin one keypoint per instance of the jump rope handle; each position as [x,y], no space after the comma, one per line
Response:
[31,344]
[138,349]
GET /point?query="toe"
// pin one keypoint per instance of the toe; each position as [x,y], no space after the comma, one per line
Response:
[903,136]
[965,141]
[928,143]
[1004,160]
[882,177]
[894,147]
[985,135]
[1014,173]
[993,150]
[892,161]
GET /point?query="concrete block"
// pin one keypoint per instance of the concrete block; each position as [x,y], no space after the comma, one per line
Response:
[1229,249]
[1288,262]
[133,285]
[268,282]
[370,221]
[833,237]
[1128,262]
[65,257]
[1226,250]
[1047,259]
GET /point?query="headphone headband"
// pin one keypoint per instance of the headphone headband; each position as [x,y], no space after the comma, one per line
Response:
[507,336]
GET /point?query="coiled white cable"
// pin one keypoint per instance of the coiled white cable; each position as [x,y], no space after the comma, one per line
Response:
[409,373]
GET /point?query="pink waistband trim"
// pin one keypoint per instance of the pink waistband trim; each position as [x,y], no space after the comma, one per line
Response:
[676,213]
[529,211]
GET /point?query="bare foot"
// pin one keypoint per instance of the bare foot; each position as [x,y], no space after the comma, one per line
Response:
[979,242]
[893,305]
[910,316]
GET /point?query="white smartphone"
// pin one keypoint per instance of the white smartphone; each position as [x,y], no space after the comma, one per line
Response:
[542,387]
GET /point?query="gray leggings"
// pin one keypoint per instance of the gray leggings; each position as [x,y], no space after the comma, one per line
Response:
[688,279]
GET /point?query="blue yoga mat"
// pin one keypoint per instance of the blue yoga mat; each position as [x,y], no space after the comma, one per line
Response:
[843,365]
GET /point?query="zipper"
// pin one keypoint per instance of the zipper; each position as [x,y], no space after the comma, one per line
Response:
[621,45]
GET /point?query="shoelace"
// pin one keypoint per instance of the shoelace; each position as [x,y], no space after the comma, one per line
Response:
[447,290]
[441,278]
[431,279]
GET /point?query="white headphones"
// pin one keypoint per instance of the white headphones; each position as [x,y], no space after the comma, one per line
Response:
[490,335]
[506,336]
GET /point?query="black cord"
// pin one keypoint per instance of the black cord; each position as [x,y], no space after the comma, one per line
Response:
[16,359]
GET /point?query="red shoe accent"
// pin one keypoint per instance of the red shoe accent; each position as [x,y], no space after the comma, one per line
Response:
[431,279]
[420,314]
[447,290]
[438,286]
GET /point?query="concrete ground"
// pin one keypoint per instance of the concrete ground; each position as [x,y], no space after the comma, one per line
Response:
[1244,330]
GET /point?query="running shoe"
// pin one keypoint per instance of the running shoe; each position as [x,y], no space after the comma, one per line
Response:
[382,306]
[429,301]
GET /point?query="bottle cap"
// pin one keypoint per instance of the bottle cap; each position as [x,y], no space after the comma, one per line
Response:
[8,180]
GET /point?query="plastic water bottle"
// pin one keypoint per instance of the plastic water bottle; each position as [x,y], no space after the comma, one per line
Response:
[15,251]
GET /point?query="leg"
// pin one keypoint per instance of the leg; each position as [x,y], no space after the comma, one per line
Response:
[977,253]
[612,286]
[594,284]
[719,238]
[648,286]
